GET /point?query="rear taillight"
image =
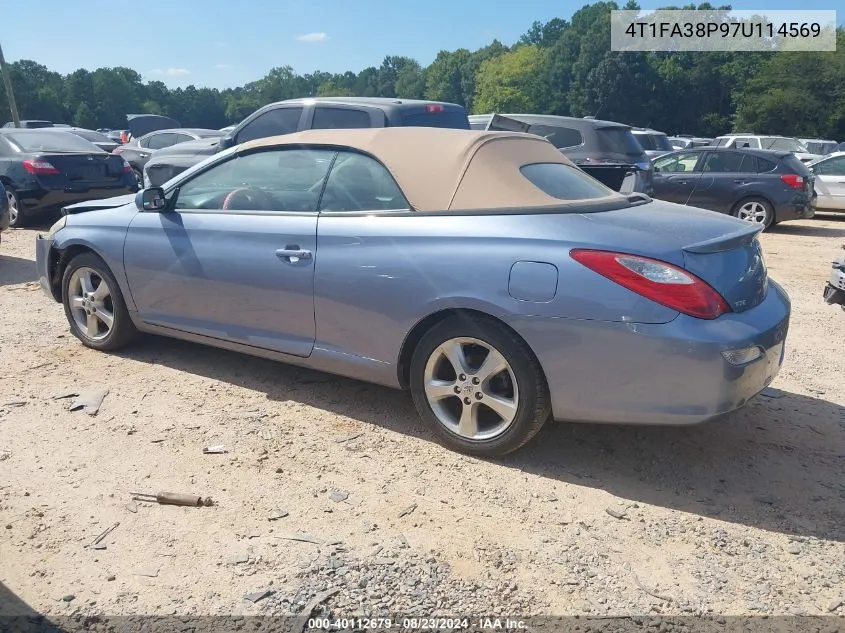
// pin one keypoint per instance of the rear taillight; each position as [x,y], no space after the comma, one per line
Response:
[126,167]
[794,181]
[39,167]
[658,281]
[434,107]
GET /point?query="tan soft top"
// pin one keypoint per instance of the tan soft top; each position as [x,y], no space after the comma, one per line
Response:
[443,169]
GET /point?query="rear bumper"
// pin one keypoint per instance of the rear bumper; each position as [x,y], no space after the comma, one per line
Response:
[799,207]
[43,254]
[834,291]
[39,200]
[672,373]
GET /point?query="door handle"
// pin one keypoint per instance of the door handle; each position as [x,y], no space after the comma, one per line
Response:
[293,254]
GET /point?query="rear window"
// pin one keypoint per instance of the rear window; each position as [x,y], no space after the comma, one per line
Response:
[456,119]
[783,144]
[654,141]
[94,137]
[51,142]
[795,166]
[564,182]
[560,137]
[617,140]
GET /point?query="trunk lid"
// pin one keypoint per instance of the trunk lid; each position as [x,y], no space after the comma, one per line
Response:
[721,250]
[140,124]
[79,170]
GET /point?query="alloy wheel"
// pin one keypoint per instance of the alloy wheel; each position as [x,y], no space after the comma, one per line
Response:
[91,305]
[471,388]
[753,211]
[13,207]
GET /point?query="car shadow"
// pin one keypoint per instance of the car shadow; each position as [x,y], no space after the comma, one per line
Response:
[16,615]
[777,464]
[813,230]
[16,270]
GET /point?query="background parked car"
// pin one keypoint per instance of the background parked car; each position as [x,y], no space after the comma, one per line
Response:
[285,117]
[116,135]
[100,140]
[653,142]
[755,141]
[830,182]
[684,142]
[138,151]
[819,146]
[762,186]
[43,170]
[606,150]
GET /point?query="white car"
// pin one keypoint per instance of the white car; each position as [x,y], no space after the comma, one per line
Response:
[830,182]
[767,141]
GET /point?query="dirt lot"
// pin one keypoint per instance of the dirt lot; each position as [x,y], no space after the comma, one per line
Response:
[742,516]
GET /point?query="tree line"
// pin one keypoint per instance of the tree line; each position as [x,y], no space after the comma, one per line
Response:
[562,67]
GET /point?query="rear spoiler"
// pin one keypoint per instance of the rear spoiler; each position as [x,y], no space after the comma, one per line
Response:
[725,242]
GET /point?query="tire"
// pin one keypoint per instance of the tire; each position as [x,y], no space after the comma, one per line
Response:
[756,210]
[17,214]
[139,178]
[521,386]
[122,331]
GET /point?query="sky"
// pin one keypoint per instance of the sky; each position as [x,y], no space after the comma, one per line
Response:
[220,44]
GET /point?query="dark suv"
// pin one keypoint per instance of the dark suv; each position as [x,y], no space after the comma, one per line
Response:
[606,150]
[756,185]
[296,115]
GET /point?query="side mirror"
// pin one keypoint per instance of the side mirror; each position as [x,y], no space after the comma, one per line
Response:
[226,142]
[151,199]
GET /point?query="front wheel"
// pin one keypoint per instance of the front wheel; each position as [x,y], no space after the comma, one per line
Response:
[94,305]
[479,386]
[756,211]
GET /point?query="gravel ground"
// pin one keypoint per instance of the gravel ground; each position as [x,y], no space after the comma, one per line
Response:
[330,484]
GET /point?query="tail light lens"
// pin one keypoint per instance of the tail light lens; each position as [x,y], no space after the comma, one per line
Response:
[39,167]
[656,280]
[126,167]
[434,107]
[793,181]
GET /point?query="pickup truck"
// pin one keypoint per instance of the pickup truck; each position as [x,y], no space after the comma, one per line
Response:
[296,115]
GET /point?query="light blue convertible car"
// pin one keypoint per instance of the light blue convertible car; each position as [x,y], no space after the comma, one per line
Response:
[482,270]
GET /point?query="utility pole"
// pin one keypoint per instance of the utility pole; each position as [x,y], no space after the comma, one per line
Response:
[7,81]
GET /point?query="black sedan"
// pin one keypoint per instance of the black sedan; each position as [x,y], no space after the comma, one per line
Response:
[138,151]
[100,140]
[756,185]
[43,170]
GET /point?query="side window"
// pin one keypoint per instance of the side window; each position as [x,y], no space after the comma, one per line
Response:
[749,164]
[272,123]
[831,167]
[144,141]
[157,141]
[684,162]
[764,166]
[181,138]
[560,137]
[339,118]
[360,183]
[722,162]
[269,180]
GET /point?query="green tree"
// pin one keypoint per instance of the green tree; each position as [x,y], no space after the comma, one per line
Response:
[508,82]
[84,117]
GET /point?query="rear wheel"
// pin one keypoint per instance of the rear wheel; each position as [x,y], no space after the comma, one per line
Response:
[479,386]
[139,178]
[755,211]
[94,305]
[17,217]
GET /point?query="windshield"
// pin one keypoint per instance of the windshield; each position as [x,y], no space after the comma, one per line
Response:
[51,142]
[90,135]
[653,141]
[782,144]
[617,140]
